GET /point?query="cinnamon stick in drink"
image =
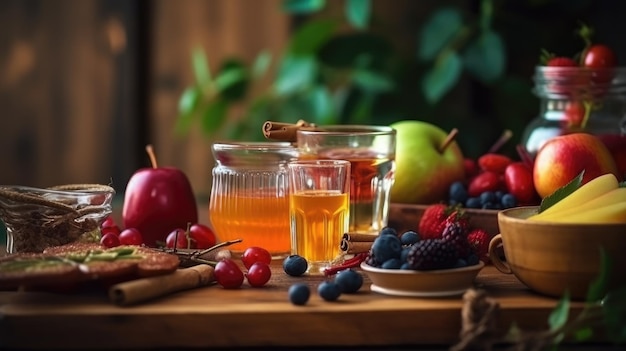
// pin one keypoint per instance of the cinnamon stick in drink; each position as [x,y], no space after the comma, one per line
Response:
[140,290]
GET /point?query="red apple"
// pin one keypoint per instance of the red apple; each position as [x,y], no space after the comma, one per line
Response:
[158,200]
[616,144]
[563,157]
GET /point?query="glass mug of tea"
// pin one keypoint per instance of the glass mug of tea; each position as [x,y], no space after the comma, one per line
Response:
[371,151]
[318,210]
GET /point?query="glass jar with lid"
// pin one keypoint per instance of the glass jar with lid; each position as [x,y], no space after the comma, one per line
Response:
[577,99]
[250,195]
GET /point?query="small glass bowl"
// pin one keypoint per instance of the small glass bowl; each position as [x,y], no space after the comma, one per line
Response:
[38,218]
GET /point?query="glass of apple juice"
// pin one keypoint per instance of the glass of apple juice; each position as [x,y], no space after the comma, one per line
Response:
[249,197]
[371,151]
[318,210]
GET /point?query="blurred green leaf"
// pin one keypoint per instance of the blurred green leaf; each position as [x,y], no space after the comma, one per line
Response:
[358,12]
[559,315]
[200,66]
[344,51]
[294,73]
[583,334]
[322,104]
[442,26]
[372,81]
[214,116]
[485,58]
[303,7]
[599,287]
[187,106]
[261,64]
[441,77]
[614,308]
[310,37]
[232,80]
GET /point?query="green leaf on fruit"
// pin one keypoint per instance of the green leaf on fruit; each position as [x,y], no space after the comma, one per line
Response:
[562,192]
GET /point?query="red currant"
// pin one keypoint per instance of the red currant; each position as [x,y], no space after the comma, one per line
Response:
[178,239]
[203,236]
[255,254]
[519,182]
[485,181]
[131,236]
[108,222]
[109,240]
[115,230]
[259,274]
[228,274]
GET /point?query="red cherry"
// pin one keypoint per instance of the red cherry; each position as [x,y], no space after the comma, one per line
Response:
[470,166]
[178,239]
[485,181]
[203,236]
[131,236]
[108,222]
[519,182]
[599,56]
[255,254]
[228,274]
[115,230]
[109,240]
[259,274]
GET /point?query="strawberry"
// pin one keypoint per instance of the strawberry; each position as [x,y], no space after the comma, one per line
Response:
[433,221]
[493,162]
[479,242]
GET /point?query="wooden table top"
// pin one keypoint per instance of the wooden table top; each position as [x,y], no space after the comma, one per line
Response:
[215,317]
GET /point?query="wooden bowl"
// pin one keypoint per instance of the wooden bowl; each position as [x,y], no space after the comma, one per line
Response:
[551,258]
[436,283]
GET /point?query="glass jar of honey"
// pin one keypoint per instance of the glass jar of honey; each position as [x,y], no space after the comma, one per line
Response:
[250,195]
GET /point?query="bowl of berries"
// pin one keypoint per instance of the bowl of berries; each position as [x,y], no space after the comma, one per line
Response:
[407,265]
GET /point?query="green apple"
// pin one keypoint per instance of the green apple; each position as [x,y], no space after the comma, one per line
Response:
[425,165]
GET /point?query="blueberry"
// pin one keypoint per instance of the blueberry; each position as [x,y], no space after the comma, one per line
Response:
[508,201]
[409,238]
[299,294]
[349,281]
[473,202]
[458,192]
[405,253]
[392,263]
[472,259]
[406,266]
[329,291]
[295,265]
[460,263]
[487,197]
[388,231]
[386,247]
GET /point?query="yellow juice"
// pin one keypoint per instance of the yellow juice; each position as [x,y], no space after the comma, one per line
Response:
[318,218]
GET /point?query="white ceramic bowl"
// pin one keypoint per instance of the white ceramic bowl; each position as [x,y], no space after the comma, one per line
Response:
[435,283]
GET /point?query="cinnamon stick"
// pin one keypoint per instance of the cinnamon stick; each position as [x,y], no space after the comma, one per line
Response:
[140,290]
[359,237]
[355,247]
[285,131]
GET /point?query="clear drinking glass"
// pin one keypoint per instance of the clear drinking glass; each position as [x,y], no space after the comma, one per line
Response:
[371,151]
[250,195]
[319,210]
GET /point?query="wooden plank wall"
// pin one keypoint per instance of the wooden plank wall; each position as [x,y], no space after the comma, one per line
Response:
[84,84]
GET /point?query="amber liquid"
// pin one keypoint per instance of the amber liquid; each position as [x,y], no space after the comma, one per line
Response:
[318,221]
[371,178]
[257,220]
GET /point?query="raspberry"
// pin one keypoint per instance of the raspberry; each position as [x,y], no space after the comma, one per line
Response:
[456,235]
[479,242]
[431,254]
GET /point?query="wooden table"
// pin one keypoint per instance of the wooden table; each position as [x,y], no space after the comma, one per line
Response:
[212,317]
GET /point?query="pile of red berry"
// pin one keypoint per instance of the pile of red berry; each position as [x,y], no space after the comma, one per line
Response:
[255,259]
[196,236]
